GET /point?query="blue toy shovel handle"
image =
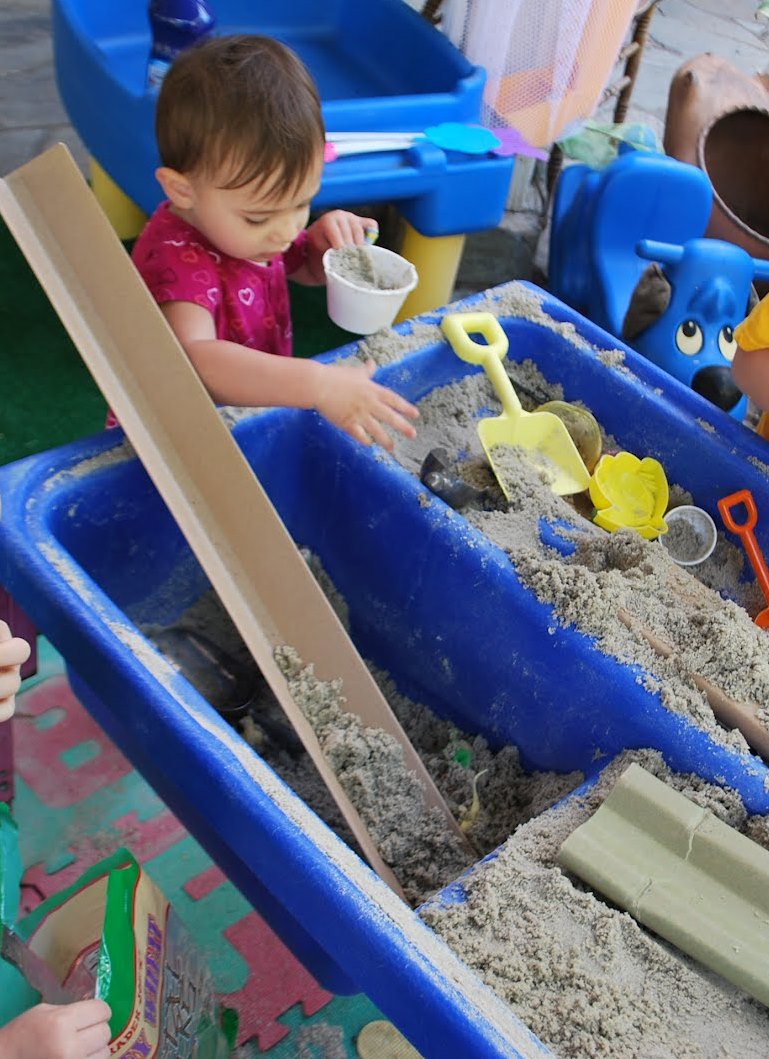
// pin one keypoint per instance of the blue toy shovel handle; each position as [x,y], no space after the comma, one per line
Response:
[671,254]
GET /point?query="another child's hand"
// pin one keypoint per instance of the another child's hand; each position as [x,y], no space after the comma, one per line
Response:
[352,401]
[58,1031]
[339,228]
[14,652]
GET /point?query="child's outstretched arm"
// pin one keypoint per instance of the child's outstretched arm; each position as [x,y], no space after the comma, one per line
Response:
[14,652]
[344,394]
[58,1031]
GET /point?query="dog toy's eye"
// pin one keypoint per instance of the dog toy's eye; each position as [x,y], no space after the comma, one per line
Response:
[689,338]
[727,342]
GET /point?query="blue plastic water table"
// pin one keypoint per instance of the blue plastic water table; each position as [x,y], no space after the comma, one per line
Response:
[379,66]
[92,554]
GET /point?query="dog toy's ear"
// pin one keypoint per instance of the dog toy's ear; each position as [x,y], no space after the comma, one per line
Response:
[648,302]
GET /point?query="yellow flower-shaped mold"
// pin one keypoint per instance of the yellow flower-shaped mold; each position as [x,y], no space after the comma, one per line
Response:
[630,493]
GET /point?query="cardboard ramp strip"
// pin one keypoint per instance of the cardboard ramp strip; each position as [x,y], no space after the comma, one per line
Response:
[194,462]
[683,873]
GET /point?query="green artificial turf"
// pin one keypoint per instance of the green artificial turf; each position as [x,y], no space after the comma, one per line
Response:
[47,396]
[313,331]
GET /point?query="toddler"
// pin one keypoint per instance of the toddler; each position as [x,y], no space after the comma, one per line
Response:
[46,1031]
[241,141]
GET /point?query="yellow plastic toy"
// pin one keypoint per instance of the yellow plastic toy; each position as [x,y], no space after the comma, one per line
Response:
[541,435]
[630,493]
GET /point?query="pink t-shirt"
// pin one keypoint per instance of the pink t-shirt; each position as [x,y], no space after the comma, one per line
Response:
[248,301]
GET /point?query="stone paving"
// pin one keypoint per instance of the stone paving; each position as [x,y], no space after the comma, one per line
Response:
[32,117]
[681,29]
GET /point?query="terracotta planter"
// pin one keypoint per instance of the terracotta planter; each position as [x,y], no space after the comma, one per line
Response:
[718,120]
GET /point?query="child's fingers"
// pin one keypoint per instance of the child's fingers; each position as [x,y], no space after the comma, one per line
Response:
[89,1013]
[393,418]
[403,426]
[377,433]
[374,426]
[369,224]
[358,431]
[341,233]
[393,400]
[10,681]
[13,653]
[13,650]
[388,396]
[93,1040]
[401,405]
[353,231]
[335,235]
[347,229]
[365,231]
[19,650]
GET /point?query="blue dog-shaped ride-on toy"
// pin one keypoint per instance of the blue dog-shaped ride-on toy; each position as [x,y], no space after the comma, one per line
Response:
[680,311]
[702,290]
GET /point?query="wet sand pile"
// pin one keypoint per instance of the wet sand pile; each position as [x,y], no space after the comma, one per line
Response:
[424,855]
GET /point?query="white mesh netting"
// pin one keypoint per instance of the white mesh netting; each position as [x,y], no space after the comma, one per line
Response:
[548,61]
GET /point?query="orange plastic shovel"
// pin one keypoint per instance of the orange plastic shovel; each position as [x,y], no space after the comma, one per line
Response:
[745,532]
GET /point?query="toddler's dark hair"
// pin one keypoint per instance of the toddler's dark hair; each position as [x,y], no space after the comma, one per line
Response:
[243,109]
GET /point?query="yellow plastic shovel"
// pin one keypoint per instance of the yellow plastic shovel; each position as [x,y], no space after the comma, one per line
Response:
[543,436]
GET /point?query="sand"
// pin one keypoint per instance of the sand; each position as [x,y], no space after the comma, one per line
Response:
[684,541]
[605,573]
[412,838]
[356,265]
[584,976]
[414,841]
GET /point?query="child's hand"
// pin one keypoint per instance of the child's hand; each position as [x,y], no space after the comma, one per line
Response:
[14,652]
[58,1031]
[339,228]
[352,401]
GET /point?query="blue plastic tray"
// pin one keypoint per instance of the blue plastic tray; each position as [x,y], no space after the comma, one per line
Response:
[85,541]
[378,64]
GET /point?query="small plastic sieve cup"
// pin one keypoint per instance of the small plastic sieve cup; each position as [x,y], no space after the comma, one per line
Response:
[691,535]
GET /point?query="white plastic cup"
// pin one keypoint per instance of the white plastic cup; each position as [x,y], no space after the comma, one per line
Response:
[703,528]
[364,309]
